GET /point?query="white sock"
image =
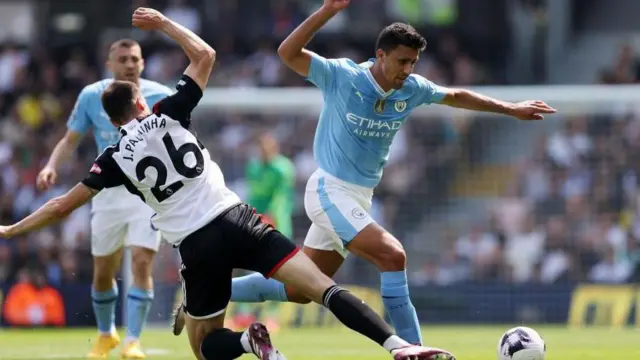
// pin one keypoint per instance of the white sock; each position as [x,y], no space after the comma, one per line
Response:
[394,343]
[244,340]
[129,340]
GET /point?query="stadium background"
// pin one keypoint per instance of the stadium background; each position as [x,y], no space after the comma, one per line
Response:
[504,222]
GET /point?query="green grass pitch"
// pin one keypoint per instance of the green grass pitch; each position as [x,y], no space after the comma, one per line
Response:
[473,343]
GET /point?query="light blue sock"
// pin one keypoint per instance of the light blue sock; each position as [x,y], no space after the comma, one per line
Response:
[255,288]
[104,308]
[138,305]
[395,296]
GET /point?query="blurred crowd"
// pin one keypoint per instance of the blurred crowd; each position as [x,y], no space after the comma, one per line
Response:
[569,216]
[573,211]
[246,58]
[38,86]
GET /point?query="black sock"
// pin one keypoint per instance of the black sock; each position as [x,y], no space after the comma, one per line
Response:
[355,314]
[222,344]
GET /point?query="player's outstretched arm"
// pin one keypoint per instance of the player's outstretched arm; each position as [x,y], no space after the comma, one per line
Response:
[61,152]
[526,110]
[51,212]
[78,124]
[201,55]
[292,51]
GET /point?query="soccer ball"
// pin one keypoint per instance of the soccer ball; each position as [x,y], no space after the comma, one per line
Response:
[521,343]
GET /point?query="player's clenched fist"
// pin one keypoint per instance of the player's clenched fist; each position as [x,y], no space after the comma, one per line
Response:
[46,178]
[148,19]
[336,5]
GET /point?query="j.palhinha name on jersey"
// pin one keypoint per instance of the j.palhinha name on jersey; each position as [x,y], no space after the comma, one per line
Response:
[145,126]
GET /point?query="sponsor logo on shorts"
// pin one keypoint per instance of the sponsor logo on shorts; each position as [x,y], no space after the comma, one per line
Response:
[358,213]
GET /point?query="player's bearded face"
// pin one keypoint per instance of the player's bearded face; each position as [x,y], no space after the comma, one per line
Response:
[398,64]
[126,63]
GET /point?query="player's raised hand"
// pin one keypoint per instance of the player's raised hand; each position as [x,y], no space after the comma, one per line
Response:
[46,178]
[148,19]
[336,5]
[532,110]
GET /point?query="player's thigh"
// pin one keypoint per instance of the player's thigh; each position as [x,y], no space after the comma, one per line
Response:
[321,247]
[197,330]
[379,247]
[143,241]
[300,272]
[276,256]
[205,274]
[107,233]
[140,232]
[337,211]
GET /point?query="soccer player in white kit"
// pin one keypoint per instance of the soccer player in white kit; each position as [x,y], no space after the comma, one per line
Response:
[364,107]
[118,219]
[161,162]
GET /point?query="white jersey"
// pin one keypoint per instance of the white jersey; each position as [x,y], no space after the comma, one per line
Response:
[163,163]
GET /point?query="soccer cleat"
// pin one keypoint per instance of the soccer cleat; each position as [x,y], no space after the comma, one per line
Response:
[103,346]
[415,352]
[260,342]
[132,350]
[178,320]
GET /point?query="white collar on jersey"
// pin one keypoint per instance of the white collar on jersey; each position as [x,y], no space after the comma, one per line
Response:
[368,65]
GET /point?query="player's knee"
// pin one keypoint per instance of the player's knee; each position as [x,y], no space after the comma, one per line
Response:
[104,270]
[142,260]
[392,258]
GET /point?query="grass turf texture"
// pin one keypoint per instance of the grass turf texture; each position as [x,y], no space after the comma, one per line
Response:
[474,343]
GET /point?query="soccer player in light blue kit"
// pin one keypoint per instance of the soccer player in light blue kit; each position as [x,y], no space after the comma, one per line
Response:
[364,106]
[118,218]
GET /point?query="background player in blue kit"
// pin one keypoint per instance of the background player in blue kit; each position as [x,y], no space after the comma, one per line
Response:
[118,218]
[364,106]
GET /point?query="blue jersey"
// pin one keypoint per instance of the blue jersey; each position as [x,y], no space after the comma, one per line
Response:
[359,120]
[89,114]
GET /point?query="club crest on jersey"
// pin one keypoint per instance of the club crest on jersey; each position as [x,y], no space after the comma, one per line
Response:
[400,105]
[380,106]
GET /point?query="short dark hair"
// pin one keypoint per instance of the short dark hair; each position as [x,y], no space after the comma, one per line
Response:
[119,100]
[123,43]
[398,34]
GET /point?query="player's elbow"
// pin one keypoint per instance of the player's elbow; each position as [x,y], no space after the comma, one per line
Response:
[285,53]
[70,140]
[205,56]
[209,54]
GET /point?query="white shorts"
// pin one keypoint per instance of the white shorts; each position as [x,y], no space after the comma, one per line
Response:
[338,211]
[121,219]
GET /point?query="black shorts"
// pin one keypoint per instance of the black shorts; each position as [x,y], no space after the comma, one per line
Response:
[237,238]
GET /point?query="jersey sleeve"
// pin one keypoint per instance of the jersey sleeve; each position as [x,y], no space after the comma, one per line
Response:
[323,72]
[429,92]
[79,120]
[105,172]
[160,93]
[179,105]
